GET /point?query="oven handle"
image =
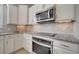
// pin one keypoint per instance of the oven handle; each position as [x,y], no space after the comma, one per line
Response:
[42,44]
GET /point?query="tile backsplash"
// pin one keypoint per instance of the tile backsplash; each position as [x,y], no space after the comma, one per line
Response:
[24,28]
[54,28]
[9,28]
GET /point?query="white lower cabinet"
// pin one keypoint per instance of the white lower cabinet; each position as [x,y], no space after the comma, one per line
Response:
[62,47]
[1,45]
[27,43]
[9,44]
[58,50]
[18,41]
[13,43]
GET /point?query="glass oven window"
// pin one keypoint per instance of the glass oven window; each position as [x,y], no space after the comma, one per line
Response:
[40,49]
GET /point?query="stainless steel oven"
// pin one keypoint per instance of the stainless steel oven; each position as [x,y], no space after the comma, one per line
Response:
[40,46]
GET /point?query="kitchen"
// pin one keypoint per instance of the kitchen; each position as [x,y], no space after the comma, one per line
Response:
[39,29]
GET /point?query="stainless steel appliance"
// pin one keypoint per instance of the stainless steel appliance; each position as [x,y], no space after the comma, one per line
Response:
[46,15]
[40,46]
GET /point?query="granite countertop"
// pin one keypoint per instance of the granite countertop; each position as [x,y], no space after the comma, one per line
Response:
[52,36]
[57,36]
[67,37]
[8,33]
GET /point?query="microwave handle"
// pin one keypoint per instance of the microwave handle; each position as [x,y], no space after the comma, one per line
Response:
[51,13]
[48,13]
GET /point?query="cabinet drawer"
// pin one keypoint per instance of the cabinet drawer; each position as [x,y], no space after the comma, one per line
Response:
[58,50]
[67,45]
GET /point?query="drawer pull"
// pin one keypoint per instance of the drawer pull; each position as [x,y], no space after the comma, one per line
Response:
[64,45]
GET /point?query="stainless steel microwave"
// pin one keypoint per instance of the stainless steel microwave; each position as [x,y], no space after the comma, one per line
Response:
[46,15]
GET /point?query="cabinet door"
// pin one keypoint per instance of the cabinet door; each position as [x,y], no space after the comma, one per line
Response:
[32,14]
[1,45]
[1,15]
[18,41]
[77,12]
[23,11]
[28,42]
[13,14]
[9,44]
[65,11]
[4,14]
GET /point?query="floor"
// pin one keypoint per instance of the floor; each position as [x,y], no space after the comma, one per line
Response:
[22,51]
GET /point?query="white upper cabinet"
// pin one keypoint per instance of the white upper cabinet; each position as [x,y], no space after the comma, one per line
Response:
[77,12]
[17,14]
[12,14]
[5,14]
[48,6]
[32,14]
[22,14]
[1,15]
[41,7]
[65,12]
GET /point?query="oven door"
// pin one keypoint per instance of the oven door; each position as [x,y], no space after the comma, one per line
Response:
[40,48]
